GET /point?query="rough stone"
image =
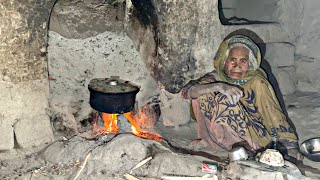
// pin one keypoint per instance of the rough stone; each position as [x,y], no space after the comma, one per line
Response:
[96,17]
[33,131]
[289,20]
[308,40]
[132,151]
[23,32]
[120,156]
[68,151]
[25,103]
[280,54]
[53,152]
[286,79]
[178,34]
[303,110]
[175,111]
[175,164]
[253,169]
[6,135]
[23,61]
[316,168]
[307,73]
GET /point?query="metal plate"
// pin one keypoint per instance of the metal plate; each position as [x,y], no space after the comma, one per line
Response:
[311,149]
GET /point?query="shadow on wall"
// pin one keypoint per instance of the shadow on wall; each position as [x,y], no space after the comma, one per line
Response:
[266,67]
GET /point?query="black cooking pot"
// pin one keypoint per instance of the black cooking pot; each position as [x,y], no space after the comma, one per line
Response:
[112,95]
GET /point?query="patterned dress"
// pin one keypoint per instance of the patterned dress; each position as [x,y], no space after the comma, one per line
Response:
[250,121]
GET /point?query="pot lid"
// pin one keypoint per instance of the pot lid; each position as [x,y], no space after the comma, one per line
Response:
[111,85]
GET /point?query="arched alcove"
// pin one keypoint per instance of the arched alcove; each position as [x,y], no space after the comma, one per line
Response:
[87,40]
[234,12]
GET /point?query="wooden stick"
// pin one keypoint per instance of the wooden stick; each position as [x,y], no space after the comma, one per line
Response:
[130,177]
[140,164]
[83,165]
[205,177]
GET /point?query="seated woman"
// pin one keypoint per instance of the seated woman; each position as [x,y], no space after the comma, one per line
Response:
[235,103]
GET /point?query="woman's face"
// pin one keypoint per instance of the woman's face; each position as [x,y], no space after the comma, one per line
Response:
[237,63]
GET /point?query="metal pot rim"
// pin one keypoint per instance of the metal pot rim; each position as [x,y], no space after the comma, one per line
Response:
[112,86]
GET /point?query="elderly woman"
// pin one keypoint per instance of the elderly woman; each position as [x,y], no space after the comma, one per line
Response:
[235,103]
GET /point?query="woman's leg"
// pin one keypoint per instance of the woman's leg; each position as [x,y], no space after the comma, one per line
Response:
[202,130]
[217,135]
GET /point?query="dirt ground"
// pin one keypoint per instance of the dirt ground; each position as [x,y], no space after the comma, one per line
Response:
[96,159]
[99,159]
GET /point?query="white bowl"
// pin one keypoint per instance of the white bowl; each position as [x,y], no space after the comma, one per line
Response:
[272,157]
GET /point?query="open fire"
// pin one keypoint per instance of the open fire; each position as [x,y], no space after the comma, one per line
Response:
[114,100]
[105,123]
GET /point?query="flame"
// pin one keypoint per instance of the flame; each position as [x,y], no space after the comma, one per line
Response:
[135,127]
[136,130]
[110,122]
[98,130]
[111,126]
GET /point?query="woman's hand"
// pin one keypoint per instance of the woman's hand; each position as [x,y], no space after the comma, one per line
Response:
[233,93]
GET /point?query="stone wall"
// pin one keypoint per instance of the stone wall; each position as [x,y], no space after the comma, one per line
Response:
[172,46]
[23,78]
[307,48]
[186,34]
[96,47]
[158,44]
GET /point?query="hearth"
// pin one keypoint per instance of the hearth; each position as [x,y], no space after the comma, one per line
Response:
[116,110]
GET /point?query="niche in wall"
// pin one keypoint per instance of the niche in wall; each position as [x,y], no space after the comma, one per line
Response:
[239,12]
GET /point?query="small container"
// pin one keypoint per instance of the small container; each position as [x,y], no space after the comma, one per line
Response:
[311,149]
[238,153]
[209,168]
[272,157]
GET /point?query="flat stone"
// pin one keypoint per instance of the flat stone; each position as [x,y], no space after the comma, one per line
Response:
[307,74]
[33,131]
[175,111]
[308,41]
[279,54]
[24,104]
[254,169]
[68,151]
[285,77]
[53,153]
[6,135]
[303,110]
[90,23]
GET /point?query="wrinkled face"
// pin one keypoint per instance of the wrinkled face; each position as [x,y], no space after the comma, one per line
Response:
[237,63]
